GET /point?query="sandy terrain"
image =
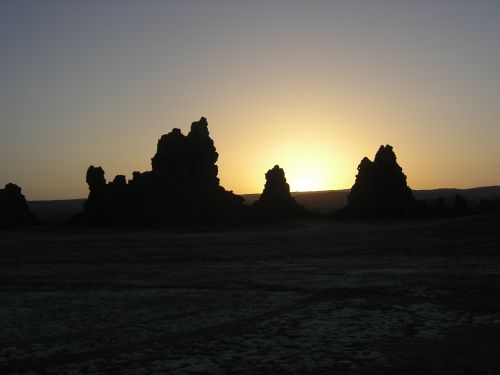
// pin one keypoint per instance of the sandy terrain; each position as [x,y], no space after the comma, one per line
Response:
[312,297]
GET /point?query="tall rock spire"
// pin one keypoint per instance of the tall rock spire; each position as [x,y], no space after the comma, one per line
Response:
[380,188]
[276,200]
[202,155]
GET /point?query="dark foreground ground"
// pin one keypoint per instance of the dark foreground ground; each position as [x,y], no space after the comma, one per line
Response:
[313,297]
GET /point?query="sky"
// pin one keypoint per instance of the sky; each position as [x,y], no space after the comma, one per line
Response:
[313,86]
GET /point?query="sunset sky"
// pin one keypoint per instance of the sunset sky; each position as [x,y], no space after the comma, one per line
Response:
[310,85]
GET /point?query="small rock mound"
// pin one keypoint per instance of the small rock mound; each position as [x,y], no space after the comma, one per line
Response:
[380,188]
[276,200]
[14,210]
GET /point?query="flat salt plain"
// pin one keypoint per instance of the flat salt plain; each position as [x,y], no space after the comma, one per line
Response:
[312,297]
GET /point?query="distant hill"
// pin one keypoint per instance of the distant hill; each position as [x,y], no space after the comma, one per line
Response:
[316,201]
[330,200]
[473,194]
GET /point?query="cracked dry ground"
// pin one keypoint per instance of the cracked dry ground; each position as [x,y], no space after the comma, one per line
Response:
[305,297]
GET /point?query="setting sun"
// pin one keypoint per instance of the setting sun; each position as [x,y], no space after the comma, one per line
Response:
[305,166]
[302,177]
[305,184]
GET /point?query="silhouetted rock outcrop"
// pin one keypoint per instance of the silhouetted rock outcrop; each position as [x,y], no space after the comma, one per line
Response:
[439,204]
[14,210]
[182,186]
[489,205]
[276,201]
[380,189]
[439,207]
[460,204]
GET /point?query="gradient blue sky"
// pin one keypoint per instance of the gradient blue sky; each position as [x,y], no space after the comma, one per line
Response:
[311,85]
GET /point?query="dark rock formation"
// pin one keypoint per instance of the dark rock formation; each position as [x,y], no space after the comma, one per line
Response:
[380,189]
[95,179]
[182,186]
[439,207]
[98,189]
[439,204]
[276,201]
[490,205]
[171,161]
[202,156]
[14,210]
[460,204]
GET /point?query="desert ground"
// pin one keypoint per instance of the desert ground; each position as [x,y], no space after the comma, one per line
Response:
[302,297]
